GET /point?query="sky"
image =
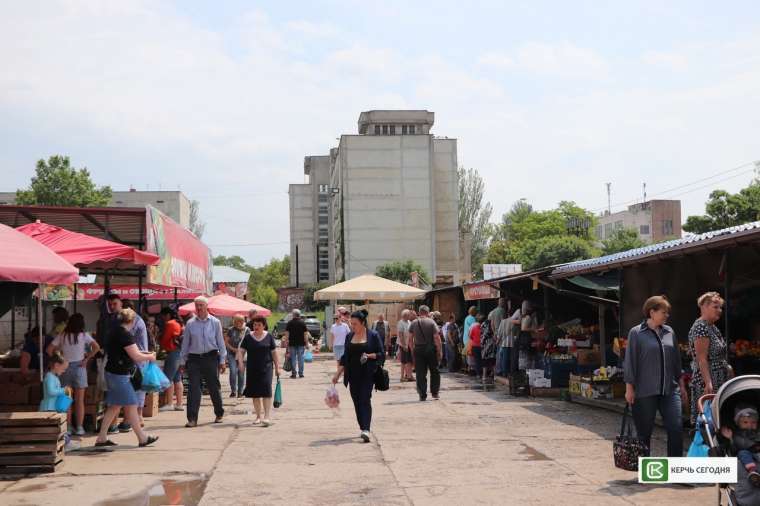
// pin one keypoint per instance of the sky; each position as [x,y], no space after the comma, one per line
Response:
[548,100]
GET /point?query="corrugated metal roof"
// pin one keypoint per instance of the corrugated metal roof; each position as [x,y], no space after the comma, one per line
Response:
[224,274]
[634,255]
[125,225]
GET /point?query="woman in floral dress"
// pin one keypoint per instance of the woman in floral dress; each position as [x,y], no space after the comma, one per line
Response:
[708,351]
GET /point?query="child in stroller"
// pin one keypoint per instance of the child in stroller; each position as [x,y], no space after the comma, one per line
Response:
[746,440]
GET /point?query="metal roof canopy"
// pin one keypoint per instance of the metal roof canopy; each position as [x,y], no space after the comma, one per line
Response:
[124,225]
[718,239]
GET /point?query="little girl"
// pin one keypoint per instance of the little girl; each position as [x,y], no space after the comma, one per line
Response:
[51,388]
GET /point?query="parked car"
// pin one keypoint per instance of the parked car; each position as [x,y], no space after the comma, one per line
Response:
[313,325]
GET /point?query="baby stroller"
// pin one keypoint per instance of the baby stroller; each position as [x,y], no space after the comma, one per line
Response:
[716,411]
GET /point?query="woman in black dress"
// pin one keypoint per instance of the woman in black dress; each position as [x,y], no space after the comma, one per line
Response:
[262,354]
[364,351]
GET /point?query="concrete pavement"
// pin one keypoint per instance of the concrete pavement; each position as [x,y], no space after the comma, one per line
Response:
[471,447]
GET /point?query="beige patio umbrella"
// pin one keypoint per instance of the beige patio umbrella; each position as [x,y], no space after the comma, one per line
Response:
[370,287]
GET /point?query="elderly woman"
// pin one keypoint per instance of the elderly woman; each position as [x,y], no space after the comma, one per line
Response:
[261,351]
[708,350]
[123,357]
[652,374]
[364,351]
[232,341]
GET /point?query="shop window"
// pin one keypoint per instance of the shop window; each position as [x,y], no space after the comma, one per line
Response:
[377,129]
[385,129]
[393,129]
[404,130]
[411,129]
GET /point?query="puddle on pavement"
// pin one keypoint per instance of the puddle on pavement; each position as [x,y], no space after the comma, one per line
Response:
[533,454]
[187,492]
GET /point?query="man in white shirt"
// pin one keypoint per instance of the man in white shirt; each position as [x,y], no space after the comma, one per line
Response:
[338,332]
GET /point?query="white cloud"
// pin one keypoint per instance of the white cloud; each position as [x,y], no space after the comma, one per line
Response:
[562,59]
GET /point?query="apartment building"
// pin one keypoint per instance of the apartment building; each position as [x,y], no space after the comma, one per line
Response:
[387,193]
[653,220]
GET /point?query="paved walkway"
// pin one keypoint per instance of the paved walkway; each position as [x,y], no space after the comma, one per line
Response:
[471,447]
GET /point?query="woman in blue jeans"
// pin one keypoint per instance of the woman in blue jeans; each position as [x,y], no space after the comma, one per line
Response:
[652,373]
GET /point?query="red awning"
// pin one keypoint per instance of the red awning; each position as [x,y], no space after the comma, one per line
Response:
[85,250]
[226,305]
[24,260]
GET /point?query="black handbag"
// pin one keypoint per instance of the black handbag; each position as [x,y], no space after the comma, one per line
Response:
[382,379]
[136,378]
[627,449]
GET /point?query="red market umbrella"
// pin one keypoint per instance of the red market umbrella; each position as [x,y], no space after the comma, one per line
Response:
[85,250]
[24,260]
[226,305]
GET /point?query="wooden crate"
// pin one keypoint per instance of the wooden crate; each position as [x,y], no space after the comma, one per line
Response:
[31,442]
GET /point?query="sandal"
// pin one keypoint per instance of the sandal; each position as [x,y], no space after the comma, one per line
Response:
[149,441]
[257,421]
[107,442]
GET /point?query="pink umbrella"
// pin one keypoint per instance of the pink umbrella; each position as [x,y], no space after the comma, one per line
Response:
[24,260]
[226,305]
[85,250]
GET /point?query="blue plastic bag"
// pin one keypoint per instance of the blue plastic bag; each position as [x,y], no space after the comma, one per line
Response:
[154,379]
[63,403]
[698,447]
[307,356]
[277,394]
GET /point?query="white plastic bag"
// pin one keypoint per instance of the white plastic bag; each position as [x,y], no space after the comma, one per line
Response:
[332,399]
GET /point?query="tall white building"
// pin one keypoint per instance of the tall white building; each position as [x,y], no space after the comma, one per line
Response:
[387,193]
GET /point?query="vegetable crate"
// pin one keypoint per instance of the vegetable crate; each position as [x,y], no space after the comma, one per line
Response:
[31,442]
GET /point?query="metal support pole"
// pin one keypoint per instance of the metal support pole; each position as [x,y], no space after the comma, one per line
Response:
[727,280]
[13,318]
[75,297]
[140,292]
[602,335]
[39,327]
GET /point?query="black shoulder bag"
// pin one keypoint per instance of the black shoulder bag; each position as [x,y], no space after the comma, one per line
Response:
[627,449]
[382,379]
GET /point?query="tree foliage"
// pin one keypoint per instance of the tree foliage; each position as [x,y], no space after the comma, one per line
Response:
[401,271]
[196,225]
[57,183]
[622,239]
[308,297]
[541,238]
[474,214]
[724,209]
[234,261]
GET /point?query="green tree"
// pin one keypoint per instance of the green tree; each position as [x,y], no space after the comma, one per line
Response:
[474,214]
[724,209]
[310,304]
[57,183]
[263,295]
[401,271]
[234,261]
[196,225]
[622,239]
[540,238]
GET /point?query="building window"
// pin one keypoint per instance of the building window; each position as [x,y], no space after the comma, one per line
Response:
[608,229]
[393,129]
[600,232]
[385,129]
[404,130]
[644,230]
[411,129]
[323,220]
[667,228]
[377,129]
[618,225]
[324,188]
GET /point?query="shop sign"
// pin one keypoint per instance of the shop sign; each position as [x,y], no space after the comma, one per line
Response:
[90,292]
[480,291]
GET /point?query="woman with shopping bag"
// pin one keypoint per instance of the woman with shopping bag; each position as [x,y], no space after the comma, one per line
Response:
[260,349]
[652,373]
[364,351]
